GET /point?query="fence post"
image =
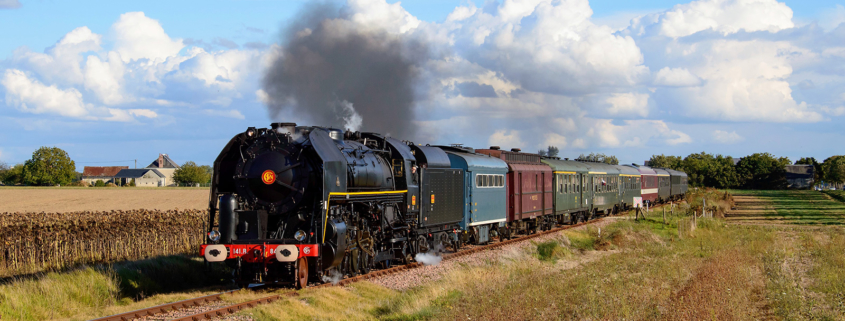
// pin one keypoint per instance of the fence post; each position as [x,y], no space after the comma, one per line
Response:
[664,216]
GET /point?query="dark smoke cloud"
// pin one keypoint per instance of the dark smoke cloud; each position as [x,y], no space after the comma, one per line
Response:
[329,64]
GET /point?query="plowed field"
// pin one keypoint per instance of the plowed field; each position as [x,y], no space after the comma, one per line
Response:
[60,200]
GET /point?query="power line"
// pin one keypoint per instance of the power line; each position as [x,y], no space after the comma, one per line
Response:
[120,161]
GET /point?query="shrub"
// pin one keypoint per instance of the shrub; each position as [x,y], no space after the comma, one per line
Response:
[99,183]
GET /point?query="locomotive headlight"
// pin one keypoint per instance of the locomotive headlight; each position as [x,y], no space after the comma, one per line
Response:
[299,235]
[250,132]
[214,236]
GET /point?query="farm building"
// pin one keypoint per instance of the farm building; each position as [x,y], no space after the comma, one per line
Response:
[799,176]
[144,177]
[165,166]
[91,174]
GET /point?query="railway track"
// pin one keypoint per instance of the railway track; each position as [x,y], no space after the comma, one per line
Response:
[230,309]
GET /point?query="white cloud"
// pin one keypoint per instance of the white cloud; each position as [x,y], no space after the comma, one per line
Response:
[32,96]
[833,111]
[628,104]
[383,15]
[138,37]
[506,139]
[634,133]
[10,4]
[723,16]
[105,78]
[60,63]
[461,13]
[676,77]
[727,137]
[548,46]
[742,81]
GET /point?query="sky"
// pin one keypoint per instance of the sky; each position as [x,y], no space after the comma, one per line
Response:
[112,82]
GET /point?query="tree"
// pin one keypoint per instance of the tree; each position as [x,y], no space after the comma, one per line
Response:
[834,169]
[818,173]
[190,173]
[553,151]
[542,153]
[600,158]
[762,171]
[663,161]
[11,175]
[209,171]
[49,166]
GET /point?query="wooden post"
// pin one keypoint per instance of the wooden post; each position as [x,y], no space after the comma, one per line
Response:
[664,216]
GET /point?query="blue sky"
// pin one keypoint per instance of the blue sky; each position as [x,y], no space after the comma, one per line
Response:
[182,77]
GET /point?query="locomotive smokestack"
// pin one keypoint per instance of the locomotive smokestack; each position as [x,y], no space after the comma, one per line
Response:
[334,71]
[284,128]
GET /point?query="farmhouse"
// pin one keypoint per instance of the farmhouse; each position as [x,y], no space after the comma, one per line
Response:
[143,177]
[91,174]
[799,176]
[166,166]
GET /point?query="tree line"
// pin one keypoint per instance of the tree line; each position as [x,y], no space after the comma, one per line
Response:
[52,166]
[756,171]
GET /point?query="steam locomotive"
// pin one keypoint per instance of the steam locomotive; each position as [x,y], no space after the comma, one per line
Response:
[297,204]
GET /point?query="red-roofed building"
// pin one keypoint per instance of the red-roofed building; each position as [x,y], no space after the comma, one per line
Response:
[91,174]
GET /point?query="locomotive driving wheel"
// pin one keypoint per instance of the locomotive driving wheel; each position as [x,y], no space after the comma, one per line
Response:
[301,279]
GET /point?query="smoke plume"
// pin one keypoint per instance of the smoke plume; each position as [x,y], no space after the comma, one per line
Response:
[335,72]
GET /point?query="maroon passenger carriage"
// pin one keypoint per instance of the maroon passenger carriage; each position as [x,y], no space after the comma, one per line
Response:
[530,196]
[649,183]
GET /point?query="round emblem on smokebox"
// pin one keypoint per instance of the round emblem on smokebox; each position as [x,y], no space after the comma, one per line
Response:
[306,250]
[268,177]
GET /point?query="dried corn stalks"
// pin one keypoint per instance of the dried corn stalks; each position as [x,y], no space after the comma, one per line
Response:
[35,242]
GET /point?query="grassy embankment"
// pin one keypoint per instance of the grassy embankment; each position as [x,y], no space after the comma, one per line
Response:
[89,292]
[631,270]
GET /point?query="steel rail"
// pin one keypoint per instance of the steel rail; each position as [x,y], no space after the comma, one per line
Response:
[216,313]
[164,308]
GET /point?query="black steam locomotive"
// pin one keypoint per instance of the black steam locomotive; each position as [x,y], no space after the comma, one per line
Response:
[294,204]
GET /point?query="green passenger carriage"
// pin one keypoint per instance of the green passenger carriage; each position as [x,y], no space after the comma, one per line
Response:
[572,202]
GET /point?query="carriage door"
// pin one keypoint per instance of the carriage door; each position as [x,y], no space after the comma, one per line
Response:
[470,179]
[543,191]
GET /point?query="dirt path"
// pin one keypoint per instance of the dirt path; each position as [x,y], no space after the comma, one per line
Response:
[62,200]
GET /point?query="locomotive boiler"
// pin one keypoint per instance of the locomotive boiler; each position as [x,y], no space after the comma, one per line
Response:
[294,204]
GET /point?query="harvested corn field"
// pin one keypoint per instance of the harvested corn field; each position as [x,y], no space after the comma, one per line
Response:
[60,200]
[35,242]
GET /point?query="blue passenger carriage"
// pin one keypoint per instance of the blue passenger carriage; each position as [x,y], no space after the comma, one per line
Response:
[485,210]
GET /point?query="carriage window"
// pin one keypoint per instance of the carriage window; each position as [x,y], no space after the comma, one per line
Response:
[478,180]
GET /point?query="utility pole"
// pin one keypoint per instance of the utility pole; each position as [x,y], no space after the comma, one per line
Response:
[136,163]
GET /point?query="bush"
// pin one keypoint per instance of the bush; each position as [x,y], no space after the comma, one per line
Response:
[100,183]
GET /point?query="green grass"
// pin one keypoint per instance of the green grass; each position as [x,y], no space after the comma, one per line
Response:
[87,292]
[801,207]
